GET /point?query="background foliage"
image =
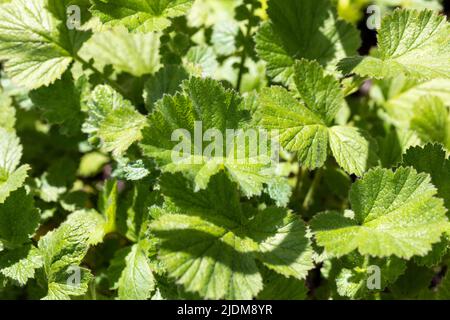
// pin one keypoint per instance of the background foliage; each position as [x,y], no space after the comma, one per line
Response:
[93,207]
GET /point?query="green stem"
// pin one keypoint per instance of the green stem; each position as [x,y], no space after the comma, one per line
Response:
[299,182]
[243,58]
[93,292]
[366,262]
[241,70]
[312,189]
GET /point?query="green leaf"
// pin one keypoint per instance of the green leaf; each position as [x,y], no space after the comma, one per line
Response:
[398,95]
[406,41]
[59,178]
[10,150]
[166,81]
[337,181]
[435,5]
[207,259]
[357,277]
[176,137]
[92,164]
[20,264]
[7,113]
[61,289]
[36,50]
[413,283]
[321,93]
[354,150]
[74,200]
[305,129]
[19,219]
[280,191]
[133,212]
[282,243]
[10,182]
[64,248]
[431,121]
[278,287]
[390,209]
[62,103]
[113,121]
[300,129]
[435,256]
[210,244]
[11,177]
[394,144]
[136,281]
[306,29]
[59,8]
[224,36]
[133,170]
[139,15]
[137,54]
[201,61]
[108,202]
[432,159]
[68,244]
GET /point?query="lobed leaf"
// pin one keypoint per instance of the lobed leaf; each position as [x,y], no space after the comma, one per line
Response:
[36,50]
[303,29]
[394,214]
[406,41]
[139,15]
[211,246]
[113,121]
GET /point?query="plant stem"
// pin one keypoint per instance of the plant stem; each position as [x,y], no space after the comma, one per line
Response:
[366,262]
[241,71]
[243,58]
[312,189]
[299,182]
